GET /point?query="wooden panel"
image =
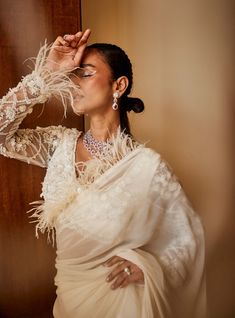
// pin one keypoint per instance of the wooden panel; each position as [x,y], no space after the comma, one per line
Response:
[27,264]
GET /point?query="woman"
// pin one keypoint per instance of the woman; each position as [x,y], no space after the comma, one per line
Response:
[129,244]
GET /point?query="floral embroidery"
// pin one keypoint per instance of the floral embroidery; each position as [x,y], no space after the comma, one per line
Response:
[33,83]
[34,88]
[165,182]
[2,150]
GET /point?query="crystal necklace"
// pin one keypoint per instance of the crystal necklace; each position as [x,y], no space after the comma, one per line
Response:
[95,147]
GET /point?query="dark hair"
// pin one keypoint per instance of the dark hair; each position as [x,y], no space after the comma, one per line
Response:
[120,65]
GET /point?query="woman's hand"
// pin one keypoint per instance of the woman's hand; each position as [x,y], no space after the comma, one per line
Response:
[124,273]
[66,52]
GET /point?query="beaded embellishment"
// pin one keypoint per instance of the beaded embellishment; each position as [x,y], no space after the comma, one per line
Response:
[95,147]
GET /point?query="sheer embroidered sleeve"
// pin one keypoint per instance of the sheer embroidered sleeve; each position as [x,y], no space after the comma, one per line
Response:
[32,146]
[179,237]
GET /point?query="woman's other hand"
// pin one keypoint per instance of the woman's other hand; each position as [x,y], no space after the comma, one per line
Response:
[124,273]
[66,52]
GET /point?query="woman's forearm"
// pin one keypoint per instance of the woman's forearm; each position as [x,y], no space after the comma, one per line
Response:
[35,88]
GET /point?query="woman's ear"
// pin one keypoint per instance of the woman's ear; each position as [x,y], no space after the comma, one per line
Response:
[121,85]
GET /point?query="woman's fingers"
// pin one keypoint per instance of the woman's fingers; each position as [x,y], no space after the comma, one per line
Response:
[63,46]
[117,270]
[66,51]
[113,260]
[86,35]
[76,42]
[78,39]
[81,46]
[73,39]
[124,279]
[83,36]
[121,278]
[120,270]
[125,283]
[59,42]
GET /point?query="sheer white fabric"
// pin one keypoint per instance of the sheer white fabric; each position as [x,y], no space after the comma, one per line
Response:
[129,204]
[135,209]
[152,225]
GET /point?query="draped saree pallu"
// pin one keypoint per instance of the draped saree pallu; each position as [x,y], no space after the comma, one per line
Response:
[128,203]
[137,210]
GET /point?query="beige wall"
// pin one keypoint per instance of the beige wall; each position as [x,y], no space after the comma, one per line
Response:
[182,54]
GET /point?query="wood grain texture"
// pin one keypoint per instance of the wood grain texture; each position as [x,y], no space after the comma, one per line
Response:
[27,264]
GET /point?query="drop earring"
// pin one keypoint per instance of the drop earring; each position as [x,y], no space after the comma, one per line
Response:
[115,100]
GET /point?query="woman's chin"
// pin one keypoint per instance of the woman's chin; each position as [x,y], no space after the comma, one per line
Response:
[78,110]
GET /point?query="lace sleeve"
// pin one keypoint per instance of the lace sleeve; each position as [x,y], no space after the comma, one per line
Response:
[179,236]
[37,87]
[34,146]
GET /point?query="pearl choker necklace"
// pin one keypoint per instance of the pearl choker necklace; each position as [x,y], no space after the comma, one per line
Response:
[95,147]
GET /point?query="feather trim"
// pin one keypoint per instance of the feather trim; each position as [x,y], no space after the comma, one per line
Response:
[120,145]
[47,212]
[45,83]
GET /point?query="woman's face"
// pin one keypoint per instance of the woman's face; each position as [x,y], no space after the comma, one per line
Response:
[95,91]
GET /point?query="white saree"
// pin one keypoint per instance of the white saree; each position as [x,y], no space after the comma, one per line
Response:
[135,209]
[129,204]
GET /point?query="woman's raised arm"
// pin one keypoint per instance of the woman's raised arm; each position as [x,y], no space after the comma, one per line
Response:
[49,78]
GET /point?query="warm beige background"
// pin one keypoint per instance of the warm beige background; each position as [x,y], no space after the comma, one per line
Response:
[182,54]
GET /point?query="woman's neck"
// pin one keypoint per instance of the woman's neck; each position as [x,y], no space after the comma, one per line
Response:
[102,129]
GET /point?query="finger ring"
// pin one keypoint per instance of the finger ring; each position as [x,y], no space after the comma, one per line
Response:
[127,270]
[64,37]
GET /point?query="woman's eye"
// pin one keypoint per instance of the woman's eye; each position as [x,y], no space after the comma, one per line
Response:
[87,75]
[82,73]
